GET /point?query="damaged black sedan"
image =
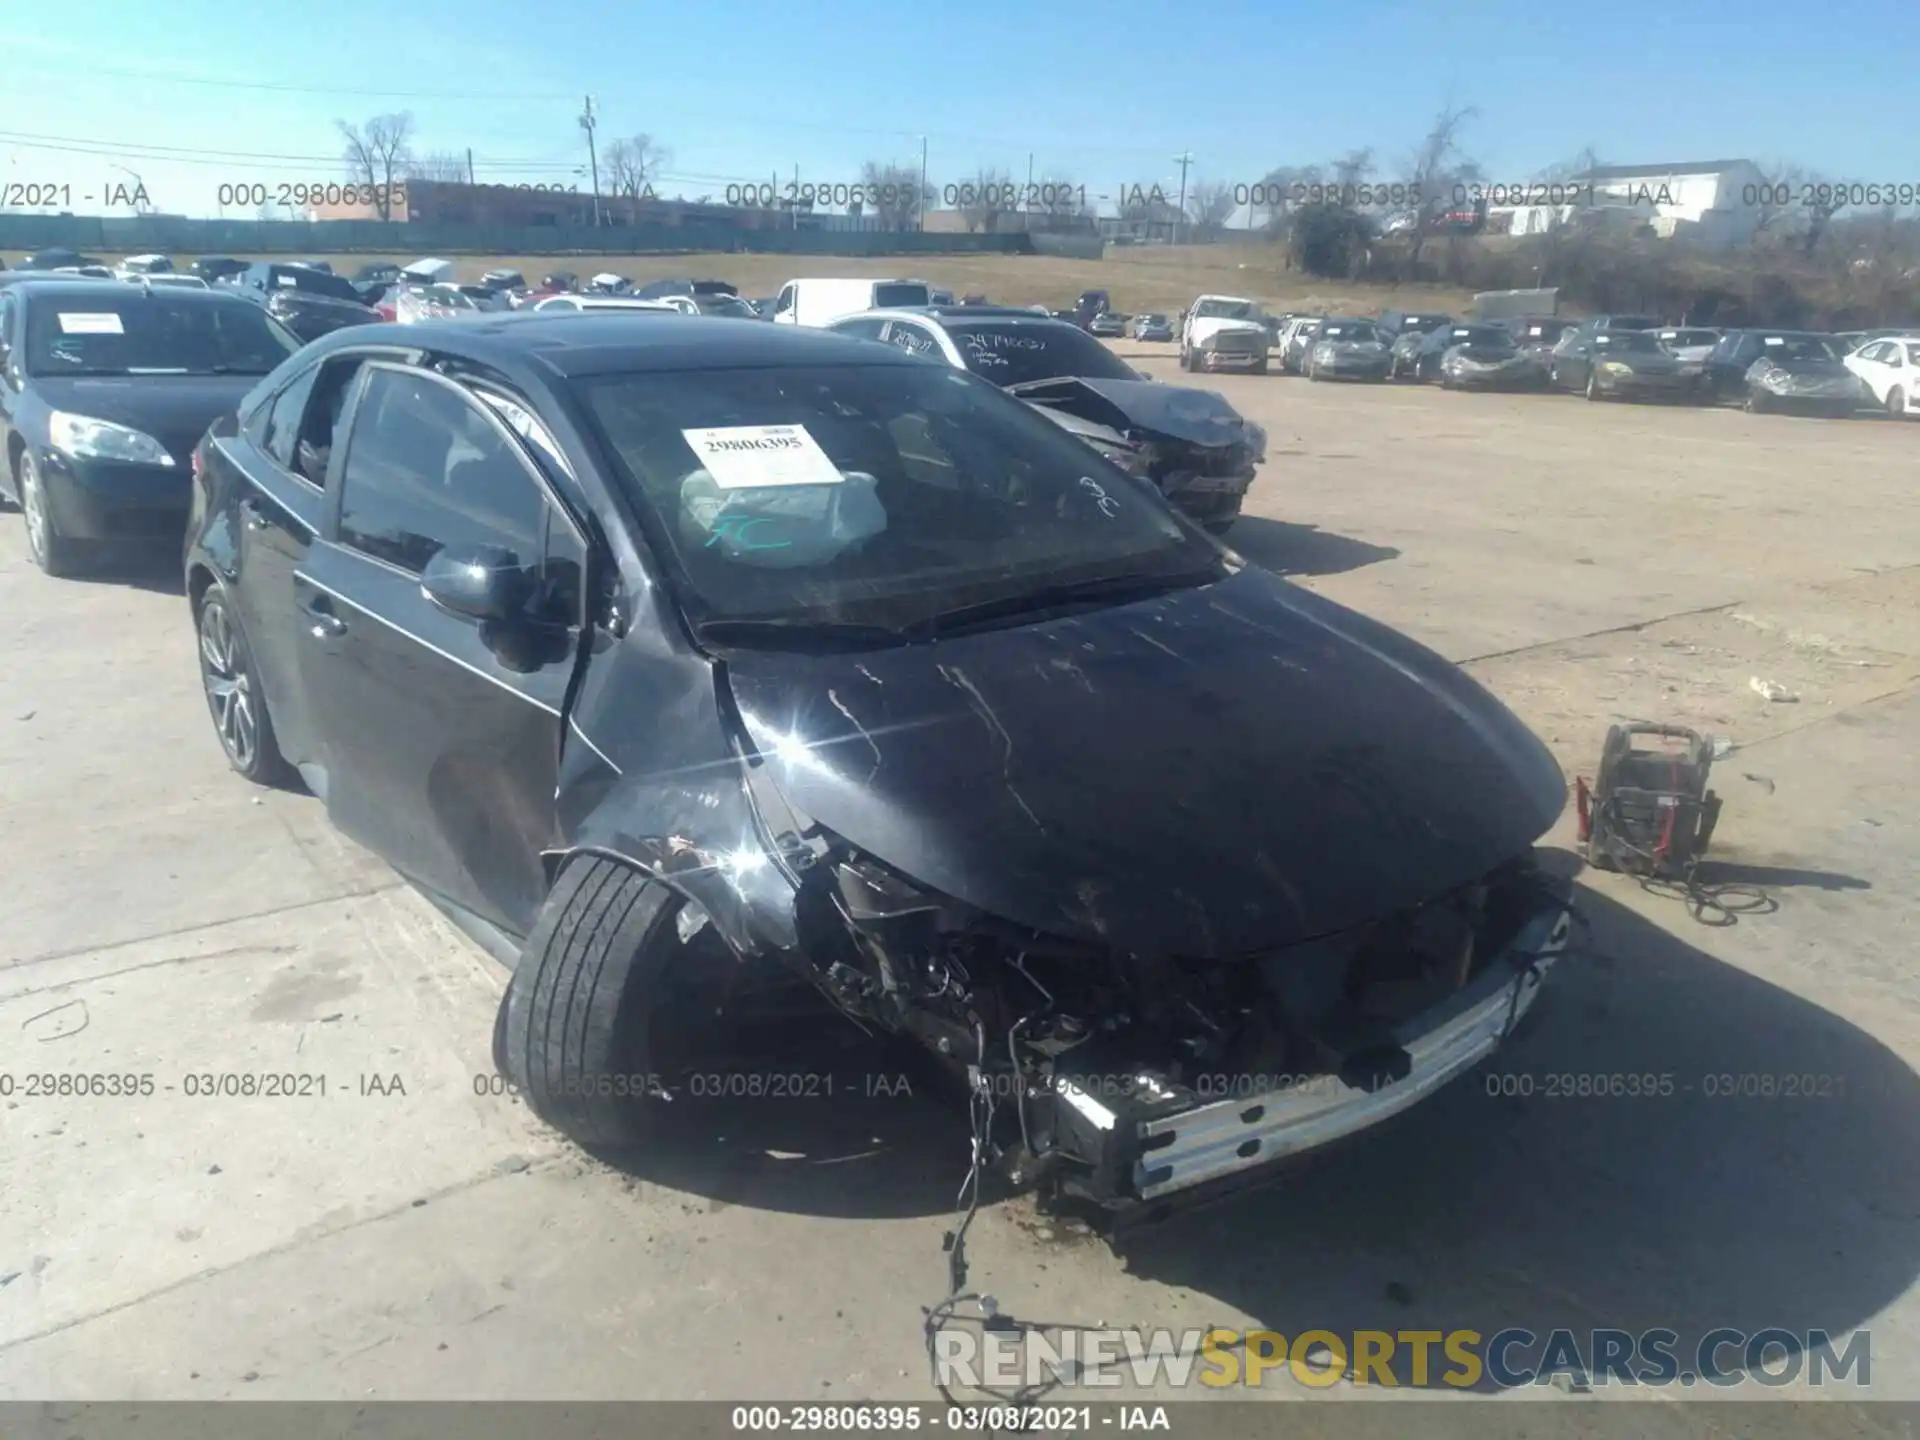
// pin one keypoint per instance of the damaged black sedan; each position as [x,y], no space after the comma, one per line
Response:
[661,659]
[1196,448]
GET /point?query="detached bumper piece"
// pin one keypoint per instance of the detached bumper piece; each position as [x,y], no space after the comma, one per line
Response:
[1160,1148]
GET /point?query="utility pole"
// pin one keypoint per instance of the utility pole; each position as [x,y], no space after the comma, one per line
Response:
[1183,159]
[920,202]
[470,165]
[587,122]
[1027,199]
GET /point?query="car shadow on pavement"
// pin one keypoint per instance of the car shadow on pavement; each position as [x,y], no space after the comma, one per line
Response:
[1289,549]
[803,1113]
[158,572]
[1756,1165]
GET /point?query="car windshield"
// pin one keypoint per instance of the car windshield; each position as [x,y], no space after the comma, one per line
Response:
[1548,330]
[145,333]
[1224,310]
[1447,336]
[1013,352]
[872,495]
[1349,332]
[1800,347]
[1628,342]
[1689,337]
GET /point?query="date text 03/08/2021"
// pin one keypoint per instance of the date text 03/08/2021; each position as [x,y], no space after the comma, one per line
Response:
[197,1085]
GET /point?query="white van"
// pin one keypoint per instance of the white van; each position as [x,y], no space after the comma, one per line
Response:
[821,302]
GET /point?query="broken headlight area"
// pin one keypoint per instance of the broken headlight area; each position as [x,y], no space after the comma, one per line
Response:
[1118,1081]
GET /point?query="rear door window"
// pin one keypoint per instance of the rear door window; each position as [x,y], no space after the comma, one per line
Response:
[426,468]
[280,432]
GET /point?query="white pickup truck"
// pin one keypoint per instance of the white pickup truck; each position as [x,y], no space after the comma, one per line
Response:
[1224,332]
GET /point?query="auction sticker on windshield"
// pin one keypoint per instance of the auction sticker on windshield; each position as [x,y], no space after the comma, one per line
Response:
[742,457]
[91,323]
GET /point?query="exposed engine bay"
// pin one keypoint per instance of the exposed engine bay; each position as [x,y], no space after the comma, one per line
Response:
[1100,1064]
[1195,447]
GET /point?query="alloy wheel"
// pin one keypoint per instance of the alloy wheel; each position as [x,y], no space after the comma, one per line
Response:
[33,508]
[229,688]
[1897,400]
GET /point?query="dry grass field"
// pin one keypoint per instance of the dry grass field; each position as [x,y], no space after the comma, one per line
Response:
[1150,278]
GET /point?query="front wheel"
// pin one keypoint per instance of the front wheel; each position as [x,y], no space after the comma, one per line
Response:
[577,1035]
[53,552]
[1593,387]
[1756,403]
[1259,367]
[1896,402]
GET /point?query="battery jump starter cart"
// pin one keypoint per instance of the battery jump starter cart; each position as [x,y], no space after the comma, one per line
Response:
[1648,811]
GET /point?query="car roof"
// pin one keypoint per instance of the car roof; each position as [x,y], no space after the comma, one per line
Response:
[578,344]
[83,290]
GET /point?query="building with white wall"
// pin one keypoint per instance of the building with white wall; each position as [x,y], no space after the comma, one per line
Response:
[1715,201]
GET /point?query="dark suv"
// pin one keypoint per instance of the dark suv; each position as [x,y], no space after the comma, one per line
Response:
[309,302]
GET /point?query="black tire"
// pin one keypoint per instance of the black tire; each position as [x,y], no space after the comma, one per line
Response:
[1260,367]
[54,553]
[1755,403]
[1593,388]
[231,682]
[575,1035]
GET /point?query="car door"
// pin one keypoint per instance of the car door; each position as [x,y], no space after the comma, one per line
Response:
[439,734]
[1573,357]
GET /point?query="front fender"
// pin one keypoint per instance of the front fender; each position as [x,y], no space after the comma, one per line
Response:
[651,773]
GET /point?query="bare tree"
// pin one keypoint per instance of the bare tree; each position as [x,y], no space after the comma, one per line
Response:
[1212,205]
[1819,200]
[442,165]
[1773,211]
[1351,171]
[1057,195]
[893,193]
[985,198]
[630,166]
[377,155]
[1584,163]
[1435,174]
[1280,192]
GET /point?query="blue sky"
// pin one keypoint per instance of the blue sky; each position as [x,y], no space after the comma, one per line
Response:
[1104,92]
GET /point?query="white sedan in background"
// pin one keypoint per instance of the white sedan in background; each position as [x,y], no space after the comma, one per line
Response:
[1890,367]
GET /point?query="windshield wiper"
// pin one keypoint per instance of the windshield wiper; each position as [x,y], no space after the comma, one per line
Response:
[798,634]
[1108,589]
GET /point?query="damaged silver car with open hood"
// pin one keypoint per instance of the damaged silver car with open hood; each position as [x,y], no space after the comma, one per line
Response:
[1493,359]
[1345,349]
[768,653]
[1191,444]
[1805,375]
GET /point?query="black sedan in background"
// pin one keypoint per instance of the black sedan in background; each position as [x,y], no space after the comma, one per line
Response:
[1493,361]
[309,302]
[1805,377]
[1395,323]
[1624,365]
[1422,362]
[1787,370]
[106,390]
[215,268]
[673,663]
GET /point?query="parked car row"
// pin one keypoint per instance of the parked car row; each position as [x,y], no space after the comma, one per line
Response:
[690,663]
[1615,357]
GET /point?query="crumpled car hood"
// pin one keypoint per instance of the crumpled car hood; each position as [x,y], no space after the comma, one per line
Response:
[1210,773]
[1198,416]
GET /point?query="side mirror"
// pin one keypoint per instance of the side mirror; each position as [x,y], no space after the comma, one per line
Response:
[480,582]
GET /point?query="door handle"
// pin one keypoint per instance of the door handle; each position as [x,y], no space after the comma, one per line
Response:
[322,623]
